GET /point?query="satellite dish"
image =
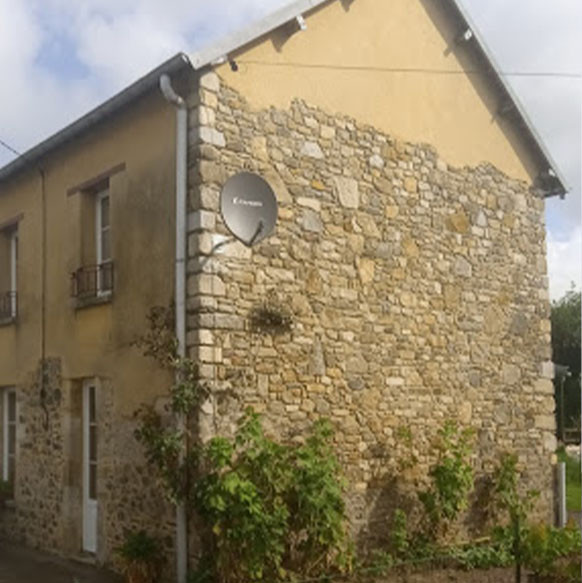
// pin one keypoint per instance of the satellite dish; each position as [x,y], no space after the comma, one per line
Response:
[248,207]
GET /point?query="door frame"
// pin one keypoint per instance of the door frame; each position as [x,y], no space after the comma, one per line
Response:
[90,505]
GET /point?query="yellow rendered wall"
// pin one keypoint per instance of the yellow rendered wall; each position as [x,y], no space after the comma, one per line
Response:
[347,61]
[96,340]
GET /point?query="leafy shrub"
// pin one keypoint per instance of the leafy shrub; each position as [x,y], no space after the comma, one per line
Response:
[142,557]
[272,508]
[507,497]
[543,545]
[451,477]
[495,553]
[170,447]
[399,537]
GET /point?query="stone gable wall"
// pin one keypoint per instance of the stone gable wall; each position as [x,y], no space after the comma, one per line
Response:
[417,292]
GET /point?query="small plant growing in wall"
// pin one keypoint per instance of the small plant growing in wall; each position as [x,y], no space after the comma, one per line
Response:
[142,557]
[271,316]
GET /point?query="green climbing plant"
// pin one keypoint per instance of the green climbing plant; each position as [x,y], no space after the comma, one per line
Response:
[273,509]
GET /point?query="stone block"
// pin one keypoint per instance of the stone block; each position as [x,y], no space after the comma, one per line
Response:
[209,354]
[200,337]
[465,413]
[519,324]
[206,116]
[312,150]
[394,381]
[207,135]
[204,284]
[259,148]
[391,212]
[235,249]
[366,269]
[311,203]
[201,220]
[510,374]
[210,81]
[327,132]
[383,185]
[545,422]
[462,267]
[356,365]
[376,161]
[458,222]
[346,189]
[228,322]
[313,282]
[311,221]
[208,98]
[200,304]
[481,219]
[368,225]
[544,387]
[206,197]
[199,243]
[410,247]
[410,184]
[548,370]
[279,187]
[211,172]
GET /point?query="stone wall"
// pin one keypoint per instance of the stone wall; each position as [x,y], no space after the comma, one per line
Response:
[36,516]
[47,509]
[417,292]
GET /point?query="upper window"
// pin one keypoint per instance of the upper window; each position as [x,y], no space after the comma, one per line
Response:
[8,273]
[103,243]
[8,402]
[94,279]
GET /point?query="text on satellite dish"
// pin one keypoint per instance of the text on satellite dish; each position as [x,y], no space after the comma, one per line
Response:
[237,200]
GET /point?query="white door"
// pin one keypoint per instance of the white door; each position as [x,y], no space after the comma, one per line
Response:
[89,466]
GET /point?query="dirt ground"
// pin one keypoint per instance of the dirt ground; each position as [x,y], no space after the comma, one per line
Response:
[20,565]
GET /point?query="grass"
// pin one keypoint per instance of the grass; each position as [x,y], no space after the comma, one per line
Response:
[573,484]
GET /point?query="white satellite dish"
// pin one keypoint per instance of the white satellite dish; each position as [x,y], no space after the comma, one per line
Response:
[248,207]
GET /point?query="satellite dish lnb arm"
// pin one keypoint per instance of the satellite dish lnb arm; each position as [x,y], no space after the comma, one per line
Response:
[257,233]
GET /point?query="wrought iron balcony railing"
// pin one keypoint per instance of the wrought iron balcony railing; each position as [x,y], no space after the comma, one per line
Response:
[92,281]
[8,305]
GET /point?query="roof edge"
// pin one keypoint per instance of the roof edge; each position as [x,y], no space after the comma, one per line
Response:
[94,116]
[238,39]
[550,181]
[550,175]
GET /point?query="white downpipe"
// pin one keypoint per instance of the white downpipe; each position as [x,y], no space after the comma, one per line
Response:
[562,512]
[180,285]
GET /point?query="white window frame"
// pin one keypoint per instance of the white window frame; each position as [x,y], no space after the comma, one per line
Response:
[99,229]
[14,270]
[6,422]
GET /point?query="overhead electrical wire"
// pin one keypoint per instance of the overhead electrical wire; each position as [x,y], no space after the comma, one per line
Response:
[10,148]
[415,70]
[404,70]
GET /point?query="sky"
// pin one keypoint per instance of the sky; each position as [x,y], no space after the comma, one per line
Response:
[60,58]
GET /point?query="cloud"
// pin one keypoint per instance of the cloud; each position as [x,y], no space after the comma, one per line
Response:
[564,264]
[60,58]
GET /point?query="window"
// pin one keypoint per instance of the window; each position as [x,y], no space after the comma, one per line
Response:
[103,242]
[8,272]
[8,397]
[94,279]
